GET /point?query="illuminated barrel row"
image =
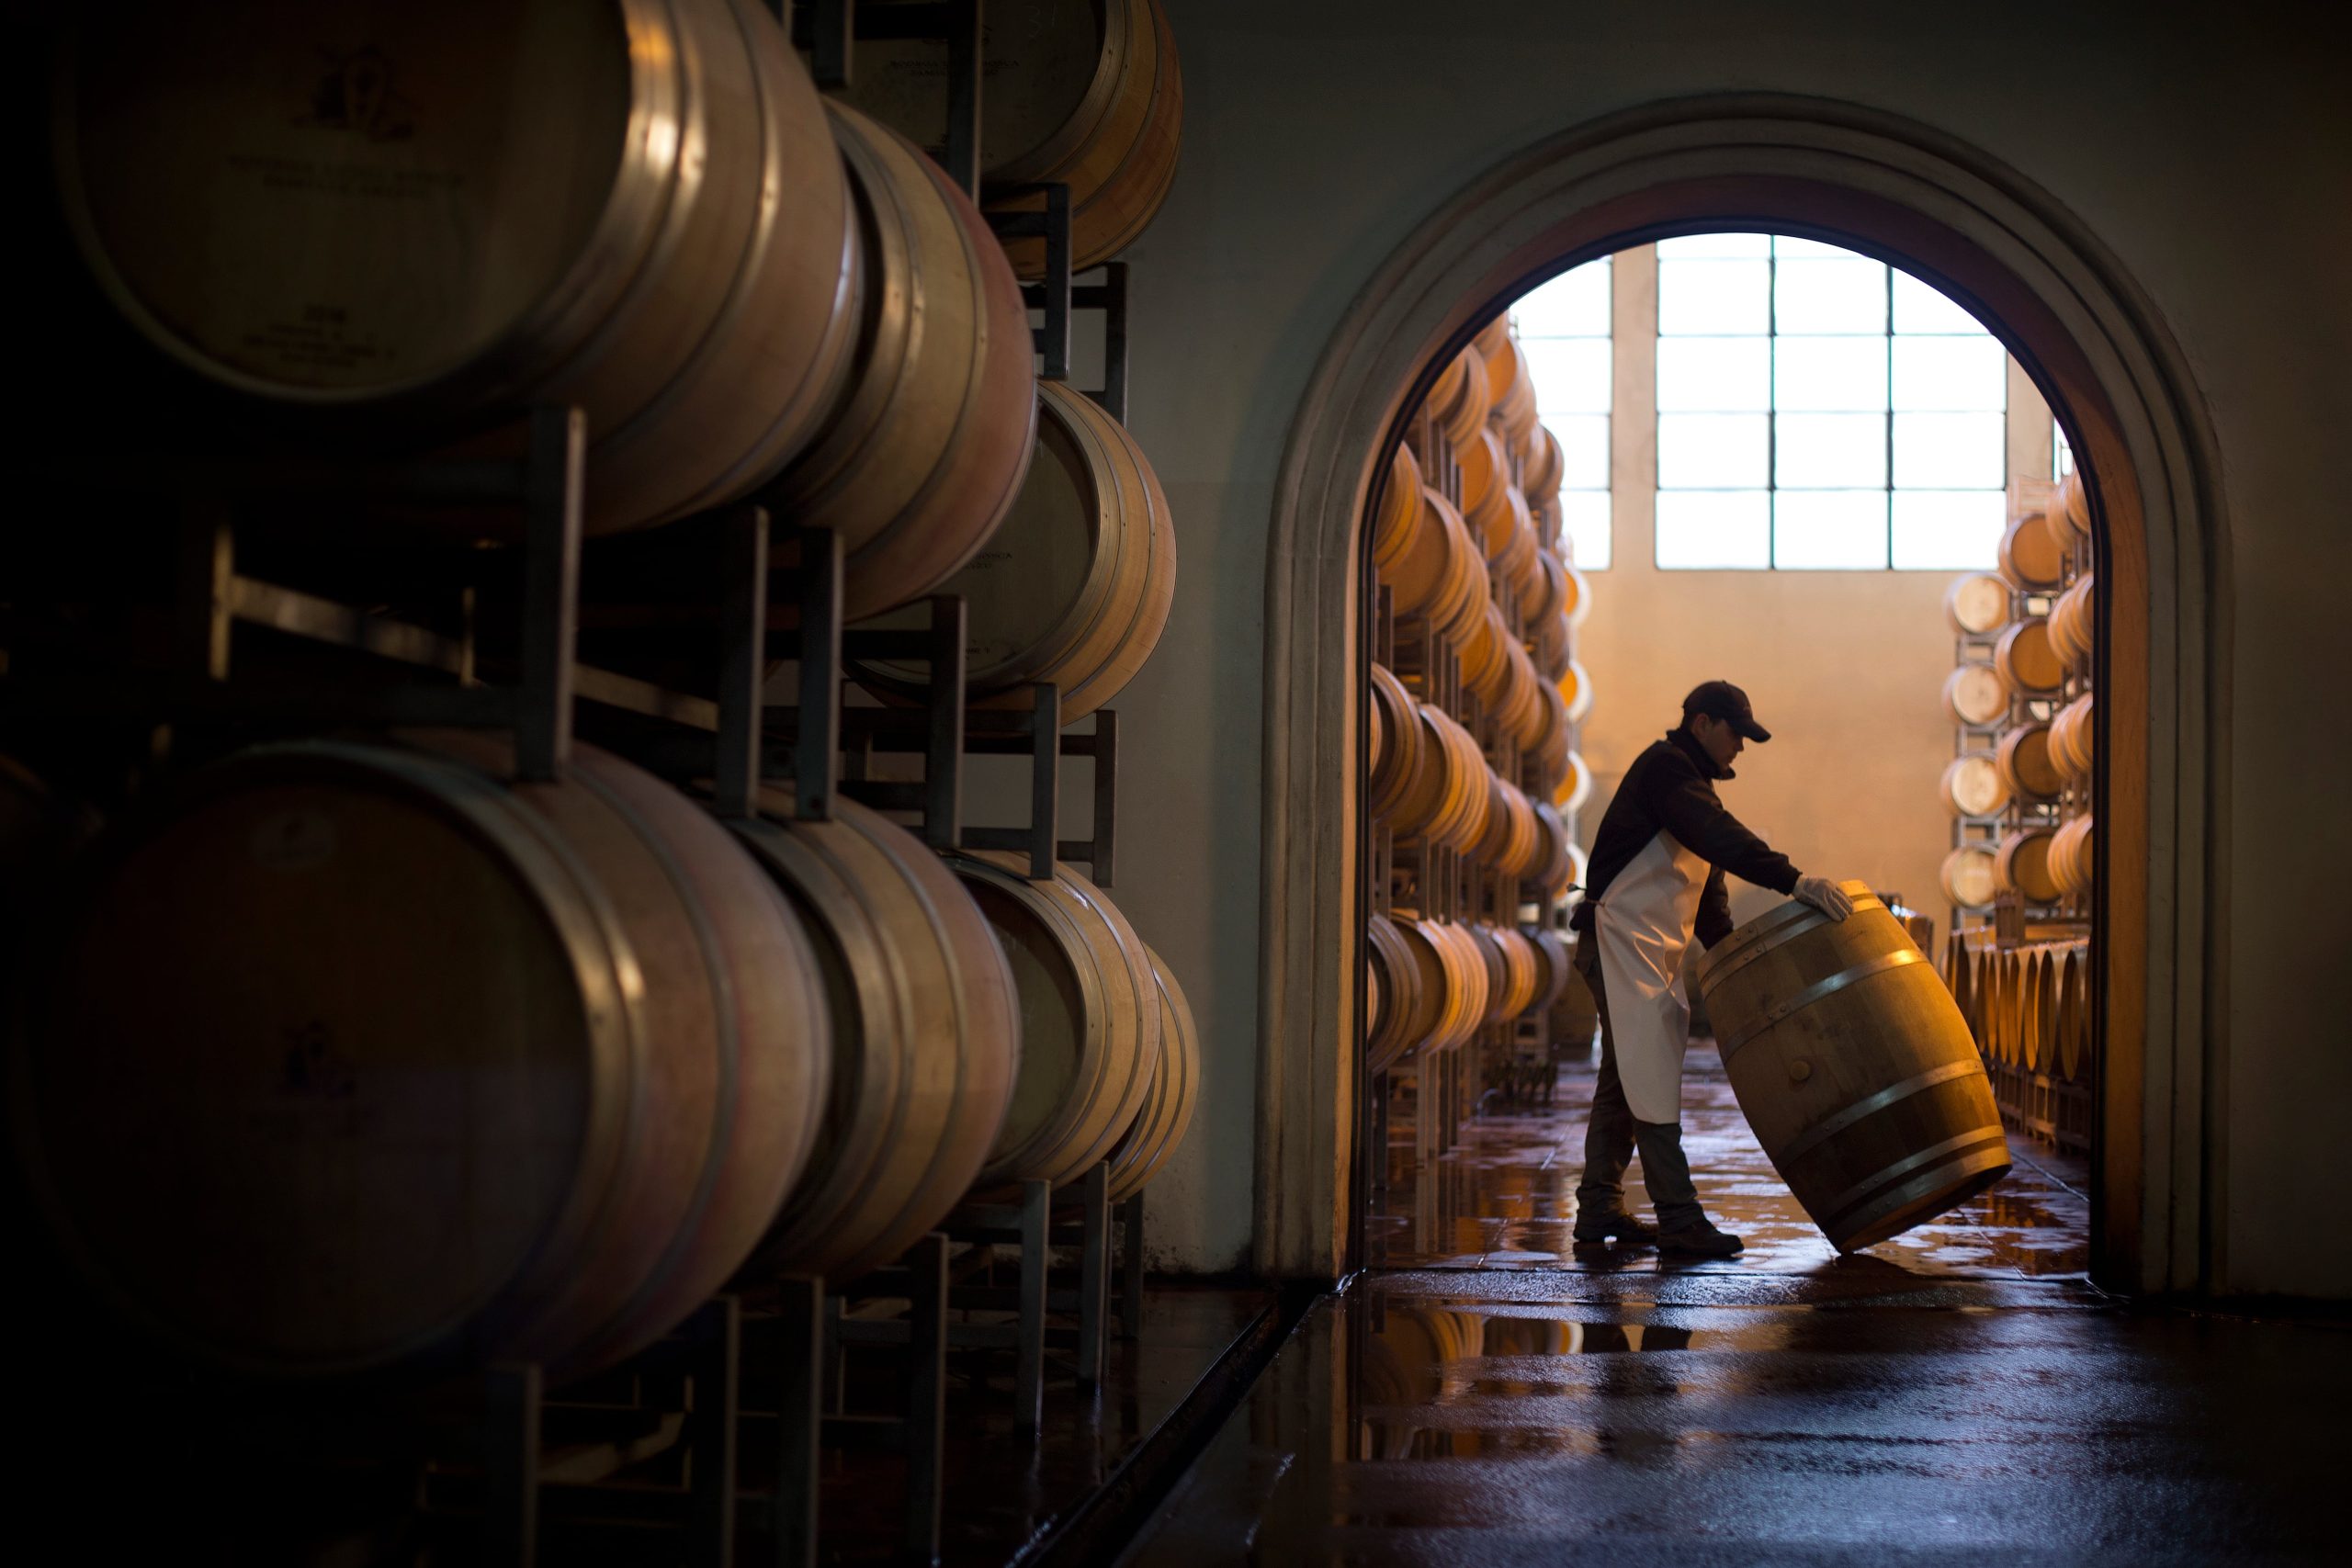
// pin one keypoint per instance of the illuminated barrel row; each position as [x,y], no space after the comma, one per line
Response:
[2028,1009]
[1433,984]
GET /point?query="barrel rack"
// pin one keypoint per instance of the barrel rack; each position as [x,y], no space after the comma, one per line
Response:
[1413,876]
[758,1381]
[2052,1107]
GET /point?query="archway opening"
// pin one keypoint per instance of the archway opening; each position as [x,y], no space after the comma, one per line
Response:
[2101,358]
[1797,466]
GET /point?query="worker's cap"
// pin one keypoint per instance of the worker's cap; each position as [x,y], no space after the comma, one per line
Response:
[1726,701]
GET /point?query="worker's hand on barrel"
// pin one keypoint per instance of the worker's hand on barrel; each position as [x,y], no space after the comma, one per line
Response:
[1825,895]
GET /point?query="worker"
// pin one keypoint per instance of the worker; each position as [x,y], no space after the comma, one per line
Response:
[1655,879]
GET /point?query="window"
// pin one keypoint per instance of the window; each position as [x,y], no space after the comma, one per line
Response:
[1563,330]
[2062,457]
[1819,410]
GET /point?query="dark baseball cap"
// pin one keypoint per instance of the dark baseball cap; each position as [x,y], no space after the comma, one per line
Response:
[1724,700]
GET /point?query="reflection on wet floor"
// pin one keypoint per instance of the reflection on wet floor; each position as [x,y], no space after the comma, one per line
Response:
[1504,1197]
[1960,1394]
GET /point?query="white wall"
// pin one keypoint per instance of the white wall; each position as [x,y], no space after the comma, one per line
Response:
[2206,149]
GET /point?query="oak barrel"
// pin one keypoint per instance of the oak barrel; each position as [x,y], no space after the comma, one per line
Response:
[1967,877]
[1974,695]
[2021,865]
[2031,553]
[1977,605]
[1462,415]
[418,1067]
[1167,1112]
[2026,663]
[926,450]
[411,221]
[1387,1031]
[1074,588]
[1854,1067]
[1972,785]
[926,1036]
[2025,762]
[1089,1018]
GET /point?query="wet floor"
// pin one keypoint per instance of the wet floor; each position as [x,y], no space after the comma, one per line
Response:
[1504,1197]
[1961,1395]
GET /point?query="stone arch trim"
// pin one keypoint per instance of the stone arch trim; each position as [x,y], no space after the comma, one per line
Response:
[2070,313]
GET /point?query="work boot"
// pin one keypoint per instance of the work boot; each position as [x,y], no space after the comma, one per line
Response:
[1699,1238]
[1593,1228]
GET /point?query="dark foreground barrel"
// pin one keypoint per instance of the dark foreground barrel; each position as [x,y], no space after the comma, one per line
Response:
[1855,1069]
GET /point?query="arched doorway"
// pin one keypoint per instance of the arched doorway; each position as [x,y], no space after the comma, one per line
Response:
[2102,358]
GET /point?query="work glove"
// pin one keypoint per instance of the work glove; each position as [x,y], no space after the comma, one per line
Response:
[1825,895]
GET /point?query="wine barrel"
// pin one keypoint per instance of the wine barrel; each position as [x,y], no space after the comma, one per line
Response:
[2073,626]
[2074,1015]
[1575,789]
[2021,865]
[1977,605]
[1090,1018]
[1090,95]
[1556,959]
[1485,667]
[1487,492]
[411,255]
[424,1068]
[1967,877]
[1487,944]
[1548,604]
[1460,818]
[1576,687]
[2070,855]
[1401,760]
[1579,599]
[1959,977]
[1399,512]
[1443,580]
[1546,466]
[2026,663]
[922,459]
[1464,416]
[1390,958]
[1511,394]
[1854,1068]
[1973,786]
[925,1029]
[2031,555]
[1074,588]
[1552,861]
[1974,695]
[2025,762]
[2073,505]
[2034,1007]
[1167,1112]
[2071,743]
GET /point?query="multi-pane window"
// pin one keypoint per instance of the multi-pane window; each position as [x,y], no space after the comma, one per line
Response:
[1818,408]
[2062,455]
[1564,330]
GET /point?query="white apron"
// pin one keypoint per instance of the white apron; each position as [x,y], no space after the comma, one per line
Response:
[1644,925]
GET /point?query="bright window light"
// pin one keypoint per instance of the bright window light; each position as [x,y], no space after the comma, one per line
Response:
[1564,331]
[1820,410]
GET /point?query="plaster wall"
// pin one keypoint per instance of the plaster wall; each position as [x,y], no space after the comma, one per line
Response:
[2209,150]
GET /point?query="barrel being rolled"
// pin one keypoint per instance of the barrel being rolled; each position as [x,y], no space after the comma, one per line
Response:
[422,1066]
[412,219]
[1854,1067]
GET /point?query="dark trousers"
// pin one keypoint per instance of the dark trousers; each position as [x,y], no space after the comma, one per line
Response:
[1612,1137]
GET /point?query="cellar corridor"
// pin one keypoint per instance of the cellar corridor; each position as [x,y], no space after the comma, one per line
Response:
[1494,1395]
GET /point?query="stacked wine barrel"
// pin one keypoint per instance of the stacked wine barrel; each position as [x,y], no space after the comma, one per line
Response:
[2020,793]
[1473,696]
[372,1057]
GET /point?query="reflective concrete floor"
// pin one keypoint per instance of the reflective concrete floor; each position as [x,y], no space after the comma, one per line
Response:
[1959,1395]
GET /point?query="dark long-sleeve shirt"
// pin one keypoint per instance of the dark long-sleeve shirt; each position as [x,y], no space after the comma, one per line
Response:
[1671,787]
